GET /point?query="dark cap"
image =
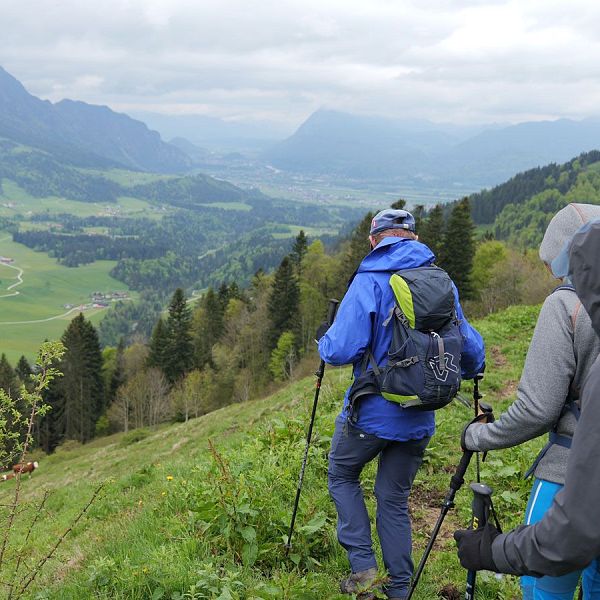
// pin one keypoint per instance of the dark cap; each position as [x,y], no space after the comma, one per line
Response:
[391,218]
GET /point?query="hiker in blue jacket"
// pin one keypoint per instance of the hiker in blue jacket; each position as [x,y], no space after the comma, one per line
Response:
[383,428]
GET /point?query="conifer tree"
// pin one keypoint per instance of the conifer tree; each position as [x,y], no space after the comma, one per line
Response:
[23,369]
[207,327]
[10,384]
[117,378]
[299,251]
[8,378]
[180,349]
[82,385]
[459,247]
[398,204]
[283,305]
[49,430]
[224,295]
[432,232]
[159,345]
[418,213]
[358,247]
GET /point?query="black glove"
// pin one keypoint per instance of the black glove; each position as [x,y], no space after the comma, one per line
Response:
[475,547]
[322,330]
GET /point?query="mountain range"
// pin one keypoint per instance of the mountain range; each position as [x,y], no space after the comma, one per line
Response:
[83,134]
[354,149]
[374,148]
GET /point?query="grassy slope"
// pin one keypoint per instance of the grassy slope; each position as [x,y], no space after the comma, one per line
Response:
[46,287]
[16,201]
[215,529]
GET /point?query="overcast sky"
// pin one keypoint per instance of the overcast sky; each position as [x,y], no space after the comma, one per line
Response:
[454,61]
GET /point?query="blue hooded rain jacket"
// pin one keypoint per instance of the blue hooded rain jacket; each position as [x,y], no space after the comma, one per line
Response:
[359,325]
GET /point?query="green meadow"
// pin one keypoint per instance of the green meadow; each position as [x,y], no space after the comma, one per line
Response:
[37,312]
[14,201]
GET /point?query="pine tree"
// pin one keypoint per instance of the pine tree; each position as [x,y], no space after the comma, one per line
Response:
[418,213]
[10,384]
[180,356]
[432,232]
[207,327]
[23,369]
[49,431]
[117,378]
[159,345]
[399,204]
[299,251]
[283,305]
[8,378]
[459,247]
[358,247]
[82,385]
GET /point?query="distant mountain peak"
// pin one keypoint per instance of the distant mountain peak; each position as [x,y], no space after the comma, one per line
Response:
[78,132]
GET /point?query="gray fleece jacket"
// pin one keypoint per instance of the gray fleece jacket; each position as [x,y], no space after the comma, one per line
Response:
[568,537]
[561,352]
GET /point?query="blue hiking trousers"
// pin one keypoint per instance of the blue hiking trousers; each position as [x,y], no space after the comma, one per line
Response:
[351,450]
[556,588]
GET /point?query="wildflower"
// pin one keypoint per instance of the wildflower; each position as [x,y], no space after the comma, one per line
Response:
[169,477]
[164,494]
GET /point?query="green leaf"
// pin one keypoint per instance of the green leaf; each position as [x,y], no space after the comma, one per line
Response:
[316,523]
[249,534]
[249,554]
[158,593]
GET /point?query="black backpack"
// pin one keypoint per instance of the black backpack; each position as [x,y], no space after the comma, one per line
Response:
[423,366]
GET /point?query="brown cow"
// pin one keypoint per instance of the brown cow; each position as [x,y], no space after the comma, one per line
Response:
[29,467]
[21,468]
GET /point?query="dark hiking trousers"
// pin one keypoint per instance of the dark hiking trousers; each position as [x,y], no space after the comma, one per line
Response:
[351,450]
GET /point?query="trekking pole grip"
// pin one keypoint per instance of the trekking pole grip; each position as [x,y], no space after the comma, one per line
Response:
[332,310]
[482,498]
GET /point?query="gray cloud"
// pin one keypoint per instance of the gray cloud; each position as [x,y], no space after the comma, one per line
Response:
[451,60]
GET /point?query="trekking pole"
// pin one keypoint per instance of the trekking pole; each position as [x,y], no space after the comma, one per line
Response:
[456,483]
[333,305]
[482,507]
[476,398]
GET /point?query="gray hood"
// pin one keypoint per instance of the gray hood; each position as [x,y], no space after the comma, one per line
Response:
[563,226]
[584,270]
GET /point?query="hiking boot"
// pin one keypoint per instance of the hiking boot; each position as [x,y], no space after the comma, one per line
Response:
[359,581]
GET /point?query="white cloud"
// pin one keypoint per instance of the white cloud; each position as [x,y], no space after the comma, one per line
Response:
[461,60]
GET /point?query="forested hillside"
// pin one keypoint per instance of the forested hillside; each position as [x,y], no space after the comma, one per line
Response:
[520,209]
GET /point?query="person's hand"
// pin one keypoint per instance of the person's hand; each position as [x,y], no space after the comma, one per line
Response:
[321,330]
[480,419]
[475,547]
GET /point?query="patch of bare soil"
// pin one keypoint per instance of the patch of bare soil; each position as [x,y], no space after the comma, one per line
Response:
[499,358]
[449,592]
[425,507]
[509,390]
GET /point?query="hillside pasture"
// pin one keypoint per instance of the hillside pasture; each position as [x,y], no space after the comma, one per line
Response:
[201,509]
[14,201]
[37,312]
